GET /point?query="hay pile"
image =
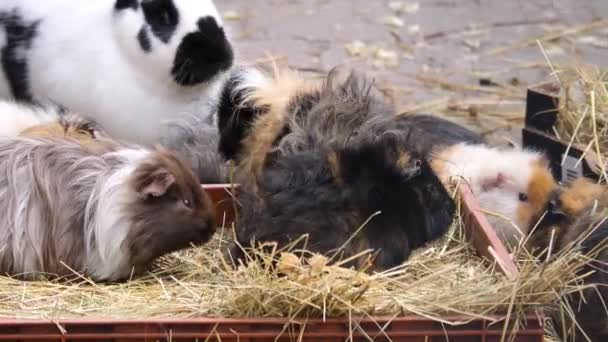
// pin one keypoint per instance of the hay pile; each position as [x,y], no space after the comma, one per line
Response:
[445,278]
[583,112]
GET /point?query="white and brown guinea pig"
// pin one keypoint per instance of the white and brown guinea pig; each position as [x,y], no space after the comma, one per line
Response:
[511,184]
[106,215]
[128,64]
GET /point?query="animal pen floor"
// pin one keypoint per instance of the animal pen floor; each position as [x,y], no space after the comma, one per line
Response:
[429,55]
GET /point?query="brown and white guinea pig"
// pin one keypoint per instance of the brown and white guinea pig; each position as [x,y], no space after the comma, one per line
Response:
[262,116]
[104,215]
[510,182]
[576,218]
[369,196]
[128,64]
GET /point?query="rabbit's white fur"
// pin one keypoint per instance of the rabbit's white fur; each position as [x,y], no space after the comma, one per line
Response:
[86,57]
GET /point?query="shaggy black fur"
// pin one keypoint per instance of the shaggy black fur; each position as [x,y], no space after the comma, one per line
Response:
[19,36]
[420,132]
[234,119]
[203,54]
[331,114]
[330,198]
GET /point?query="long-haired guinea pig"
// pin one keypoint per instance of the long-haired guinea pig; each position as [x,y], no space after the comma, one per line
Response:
[370,196]
[576,218]
[260,116]
[104,215]
[128,64]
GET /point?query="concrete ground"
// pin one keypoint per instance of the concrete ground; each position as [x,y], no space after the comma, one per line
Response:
[429,55]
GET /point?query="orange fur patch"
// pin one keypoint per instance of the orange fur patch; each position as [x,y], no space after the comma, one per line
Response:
[403,162]
[57,130]
[580,194]
[334,167]
[438,164]
[541,185]
[276,96]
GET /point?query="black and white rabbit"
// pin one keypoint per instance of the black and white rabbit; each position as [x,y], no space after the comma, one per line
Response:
[128,64]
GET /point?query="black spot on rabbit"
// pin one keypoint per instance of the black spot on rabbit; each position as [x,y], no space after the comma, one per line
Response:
[202,54]
[19,36]
[126,4]
[162,17]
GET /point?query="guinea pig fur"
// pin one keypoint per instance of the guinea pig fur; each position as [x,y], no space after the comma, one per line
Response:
[70,125]
[423,133]
[128,64]
[328,194]
[576,218]
[196,141]
[512,185]
[104,215]
[261,116]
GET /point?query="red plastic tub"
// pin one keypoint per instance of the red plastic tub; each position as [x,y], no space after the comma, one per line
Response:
[403,329]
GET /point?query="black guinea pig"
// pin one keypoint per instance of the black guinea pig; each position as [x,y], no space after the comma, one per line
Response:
[369,196]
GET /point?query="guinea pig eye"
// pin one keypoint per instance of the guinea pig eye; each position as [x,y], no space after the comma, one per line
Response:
[523,197]
[187,203]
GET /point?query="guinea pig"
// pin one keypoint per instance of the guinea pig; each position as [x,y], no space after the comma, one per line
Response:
[107,216]
[511,184]
[261,116]
[128,64]
[345,201]
[576,218]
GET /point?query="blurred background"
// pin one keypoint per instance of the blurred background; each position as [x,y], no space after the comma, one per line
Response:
[469,59]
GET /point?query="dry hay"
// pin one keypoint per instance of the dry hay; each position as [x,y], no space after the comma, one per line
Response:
[446,278]
[583,113]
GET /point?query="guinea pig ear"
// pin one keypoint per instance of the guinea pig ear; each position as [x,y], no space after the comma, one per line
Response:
[493,181]
[157,185]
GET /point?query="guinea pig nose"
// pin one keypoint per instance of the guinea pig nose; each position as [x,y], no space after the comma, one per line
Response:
[553,208]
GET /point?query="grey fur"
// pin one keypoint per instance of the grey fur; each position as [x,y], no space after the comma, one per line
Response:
[196,141]
[335,114]
[46,195]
